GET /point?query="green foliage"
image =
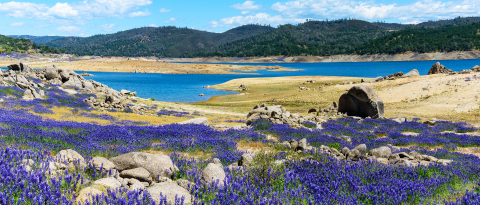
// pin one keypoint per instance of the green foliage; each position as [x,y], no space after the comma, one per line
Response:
[148,41]
[421,40]
[10,44]
[317,38]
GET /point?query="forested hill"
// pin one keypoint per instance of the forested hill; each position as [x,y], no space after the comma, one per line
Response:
[37,39]
[320,38]
[449,38]
[150,41]
[9,44]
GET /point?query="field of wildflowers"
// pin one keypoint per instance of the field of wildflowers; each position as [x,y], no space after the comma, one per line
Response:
[304,178]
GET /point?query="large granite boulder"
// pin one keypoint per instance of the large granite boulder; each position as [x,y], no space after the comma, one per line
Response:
[197,121]
[156,165]
[438,68]
[361,101]
[51,73]
[169,190]
[412,73]
[213,174]
[25,68]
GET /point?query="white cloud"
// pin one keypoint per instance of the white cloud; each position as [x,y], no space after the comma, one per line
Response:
[139,14]
[369,10]
[152,25]
[76,12]
[260,18]
[68,29]
[63,10]
[248,5]
[163,10]
[107,27]
[17,24]
[171,20]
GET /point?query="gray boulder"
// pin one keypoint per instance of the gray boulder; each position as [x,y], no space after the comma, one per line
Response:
[70,156]
[138,173]
[185,184]
[381,152]
[245,160]
[476,68]
[362,150]
[412,73]
[169,190]
[197,121]
[156,165]
[110,182]
[438,68]
[88,85]
[64,75]
[361,101]
[109,99]
[213,174]
[25,68]
[377,79]
[302,144]
[51,73]
[100,162]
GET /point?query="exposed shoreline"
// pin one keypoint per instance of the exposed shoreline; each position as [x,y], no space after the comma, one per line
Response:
[408,56]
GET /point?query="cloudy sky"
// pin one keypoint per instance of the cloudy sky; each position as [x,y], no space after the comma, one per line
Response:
[90,17]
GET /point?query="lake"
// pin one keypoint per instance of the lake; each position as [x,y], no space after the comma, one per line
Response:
[187,87]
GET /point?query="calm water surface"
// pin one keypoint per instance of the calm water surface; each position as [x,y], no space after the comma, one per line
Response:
[187,87]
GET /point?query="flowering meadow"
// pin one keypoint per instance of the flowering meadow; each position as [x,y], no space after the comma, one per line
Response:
[304,178]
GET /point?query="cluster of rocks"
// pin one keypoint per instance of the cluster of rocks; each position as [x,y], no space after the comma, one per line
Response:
[279,115]
[243,87]
[86,74]
[134,171]
[438,68]
[382,155]
[394,76]
[297,146]
[329,110]
[17,74]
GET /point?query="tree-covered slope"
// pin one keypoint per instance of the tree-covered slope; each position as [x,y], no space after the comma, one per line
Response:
[162,41]
[421,40]
[9,44]
[37,39]
[310,38]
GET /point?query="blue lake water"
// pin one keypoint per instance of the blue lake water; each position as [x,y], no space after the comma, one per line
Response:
[187,87]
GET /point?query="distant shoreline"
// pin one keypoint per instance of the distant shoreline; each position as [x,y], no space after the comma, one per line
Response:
[408,56]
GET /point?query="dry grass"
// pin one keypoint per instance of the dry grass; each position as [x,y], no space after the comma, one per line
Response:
[281,91]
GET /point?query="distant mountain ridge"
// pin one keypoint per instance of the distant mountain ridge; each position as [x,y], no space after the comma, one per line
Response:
[321,38]
[37,39]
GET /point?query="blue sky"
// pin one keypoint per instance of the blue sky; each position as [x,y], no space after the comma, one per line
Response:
[90,17]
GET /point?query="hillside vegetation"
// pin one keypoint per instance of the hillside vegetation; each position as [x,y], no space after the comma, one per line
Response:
[162,41]
[37,39]
[318,38]
[9,44]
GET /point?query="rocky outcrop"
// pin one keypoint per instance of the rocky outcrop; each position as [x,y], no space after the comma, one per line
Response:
[361,101]
[279,115]
[438,68]
[412,73]
[476,68]
[156,165]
